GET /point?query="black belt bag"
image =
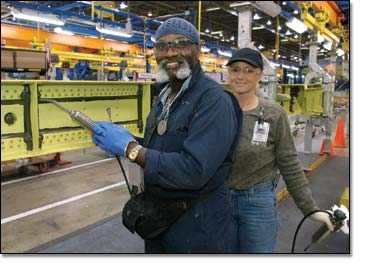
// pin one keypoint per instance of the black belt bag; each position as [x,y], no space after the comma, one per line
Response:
[150,216]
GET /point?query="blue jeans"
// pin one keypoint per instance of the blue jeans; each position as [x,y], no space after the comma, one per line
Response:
[255,220]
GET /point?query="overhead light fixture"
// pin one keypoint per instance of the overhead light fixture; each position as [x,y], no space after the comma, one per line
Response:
[284,3]
[320,38]
[216,32]
[61,31]
[296,25]
[340,52]
[288,32]
[258,28]
[213,9]
[228,54]
[269,22]
[296,36]
[122,5]
[256,16]
[207,30]
[205,50]
[279,28]
[268,7]
[113,31]
[261,47]
[295,12]
[150,13]
[232,38]
[32,15]
[327,45]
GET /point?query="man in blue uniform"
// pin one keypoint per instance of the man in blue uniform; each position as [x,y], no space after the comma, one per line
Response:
[189,143]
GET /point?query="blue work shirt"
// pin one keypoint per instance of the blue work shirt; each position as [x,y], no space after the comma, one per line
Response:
[191,158]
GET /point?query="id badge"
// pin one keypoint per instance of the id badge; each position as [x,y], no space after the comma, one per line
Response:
[260,134]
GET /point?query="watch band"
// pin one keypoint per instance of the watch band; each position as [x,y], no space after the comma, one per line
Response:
[134,153]
[125,151]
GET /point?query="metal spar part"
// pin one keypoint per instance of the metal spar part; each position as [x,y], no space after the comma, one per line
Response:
[80,117]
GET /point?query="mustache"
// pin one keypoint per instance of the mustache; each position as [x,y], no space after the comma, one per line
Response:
[164,62]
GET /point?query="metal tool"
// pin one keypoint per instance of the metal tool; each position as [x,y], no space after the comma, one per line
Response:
[78,116]
[338,219]
[109,112]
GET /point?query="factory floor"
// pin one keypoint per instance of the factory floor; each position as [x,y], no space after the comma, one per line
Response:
[78,210]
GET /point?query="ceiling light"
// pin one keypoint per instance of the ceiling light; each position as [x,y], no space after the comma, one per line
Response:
[213,9]
[296,25]
[288,32]
[284,3]
[216,32]
[256,16]
[228,54]
[258,27]
[122,5]
[268,7]
[261,47]
[296,12]
[232,38]
[207,30]
[296,36]
[205,50]
[327,45]
[320,38]
[279,28]
[150,13]
[269,22]
[113,31]
[32,15]
[340,52]
[61,31]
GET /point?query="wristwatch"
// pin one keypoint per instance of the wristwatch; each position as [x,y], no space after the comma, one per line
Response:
[134,153]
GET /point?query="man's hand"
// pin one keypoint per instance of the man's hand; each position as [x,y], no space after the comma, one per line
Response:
[324,218]
[111,137]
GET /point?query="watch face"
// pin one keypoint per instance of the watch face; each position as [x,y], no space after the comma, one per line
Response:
[132,155]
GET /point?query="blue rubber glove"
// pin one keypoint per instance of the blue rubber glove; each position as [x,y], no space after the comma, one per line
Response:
[111,137]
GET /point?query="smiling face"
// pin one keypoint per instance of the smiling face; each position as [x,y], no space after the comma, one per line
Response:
[243,77]
[177,59]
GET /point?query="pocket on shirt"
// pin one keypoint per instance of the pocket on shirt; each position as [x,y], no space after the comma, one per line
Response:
[174,139]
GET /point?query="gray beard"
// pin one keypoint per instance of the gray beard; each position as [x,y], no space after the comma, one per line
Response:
[182,73]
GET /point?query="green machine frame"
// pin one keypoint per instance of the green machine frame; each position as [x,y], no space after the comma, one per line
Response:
[298,99]
[30,127]
[304,99]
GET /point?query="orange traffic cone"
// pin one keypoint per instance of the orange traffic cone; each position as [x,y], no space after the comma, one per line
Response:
[323,146]
[339,140]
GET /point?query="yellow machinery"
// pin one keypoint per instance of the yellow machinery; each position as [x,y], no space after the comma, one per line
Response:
[31,128]
[304,99]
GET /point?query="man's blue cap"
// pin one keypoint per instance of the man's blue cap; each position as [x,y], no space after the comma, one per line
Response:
[178,26]
[247,55]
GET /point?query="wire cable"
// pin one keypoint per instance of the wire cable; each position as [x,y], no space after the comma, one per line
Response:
[301,222]
[124,175]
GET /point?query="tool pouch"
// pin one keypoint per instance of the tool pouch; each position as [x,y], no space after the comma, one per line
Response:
[150,216]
